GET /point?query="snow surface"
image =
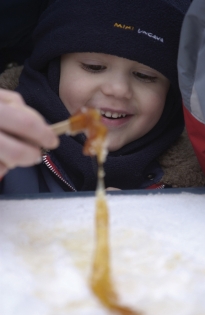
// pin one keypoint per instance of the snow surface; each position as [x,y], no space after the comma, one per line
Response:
[157,254]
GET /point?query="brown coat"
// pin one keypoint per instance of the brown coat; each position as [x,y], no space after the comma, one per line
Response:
[179,163]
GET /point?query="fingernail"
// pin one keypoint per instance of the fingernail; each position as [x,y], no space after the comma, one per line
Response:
[55,142]
[39,160]
[52,141]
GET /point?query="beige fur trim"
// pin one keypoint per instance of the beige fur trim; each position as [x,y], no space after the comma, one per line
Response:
[180,165]
[9,79]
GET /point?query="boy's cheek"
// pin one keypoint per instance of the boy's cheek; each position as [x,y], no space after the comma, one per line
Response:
[65,96]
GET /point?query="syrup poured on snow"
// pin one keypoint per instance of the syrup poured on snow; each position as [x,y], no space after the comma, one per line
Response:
[89,122]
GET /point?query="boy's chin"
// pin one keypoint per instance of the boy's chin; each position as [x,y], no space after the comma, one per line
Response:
[117,142]
[114,144]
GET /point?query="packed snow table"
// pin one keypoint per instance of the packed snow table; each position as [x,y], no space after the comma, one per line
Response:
[157,247]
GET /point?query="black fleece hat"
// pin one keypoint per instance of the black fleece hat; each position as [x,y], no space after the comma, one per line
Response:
[146,31]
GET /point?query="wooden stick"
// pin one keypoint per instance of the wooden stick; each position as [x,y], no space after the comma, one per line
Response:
[61,127]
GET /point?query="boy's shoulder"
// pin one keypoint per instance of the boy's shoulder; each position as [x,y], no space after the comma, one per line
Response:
[180,165]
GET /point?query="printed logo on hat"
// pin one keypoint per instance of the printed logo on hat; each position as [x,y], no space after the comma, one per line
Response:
[151,35]
[125,27]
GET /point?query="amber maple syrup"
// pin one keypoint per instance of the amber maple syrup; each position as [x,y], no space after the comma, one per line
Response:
[101,280]
[88,120]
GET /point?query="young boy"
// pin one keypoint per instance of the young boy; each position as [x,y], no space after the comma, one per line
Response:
[121,58]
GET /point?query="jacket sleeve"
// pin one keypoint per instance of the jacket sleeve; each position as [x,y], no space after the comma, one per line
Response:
[191,70]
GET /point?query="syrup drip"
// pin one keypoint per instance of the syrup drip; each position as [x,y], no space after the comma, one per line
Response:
[101,281]
[88,120]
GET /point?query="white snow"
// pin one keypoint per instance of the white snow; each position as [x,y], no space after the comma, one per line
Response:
[157,254]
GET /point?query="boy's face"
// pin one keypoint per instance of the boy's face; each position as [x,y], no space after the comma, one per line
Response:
[129,95]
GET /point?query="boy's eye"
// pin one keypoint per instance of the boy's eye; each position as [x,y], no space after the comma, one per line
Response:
[93,68]
[144,77]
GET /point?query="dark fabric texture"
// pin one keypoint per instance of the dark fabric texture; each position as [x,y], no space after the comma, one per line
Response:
[18,19]
[71,26]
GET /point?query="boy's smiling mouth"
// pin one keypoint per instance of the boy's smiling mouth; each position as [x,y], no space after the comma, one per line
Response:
[113,119]
[112,115]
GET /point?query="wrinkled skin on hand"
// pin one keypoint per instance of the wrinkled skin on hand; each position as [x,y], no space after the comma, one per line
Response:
[23,132]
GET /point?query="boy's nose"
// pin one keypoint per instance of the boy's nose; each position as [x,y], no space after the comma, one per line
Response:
[118,87]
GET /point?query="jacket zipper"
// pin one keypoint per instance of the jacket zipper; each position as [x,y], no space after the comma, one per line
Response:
[157,186]
[53,169]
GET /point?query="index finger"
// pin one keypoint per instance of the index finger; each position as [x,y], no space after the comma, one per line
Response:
[11,98]
[21,121]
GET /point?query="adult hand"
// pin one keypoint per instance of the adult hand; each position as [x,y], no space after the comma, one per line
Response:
[23,132]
